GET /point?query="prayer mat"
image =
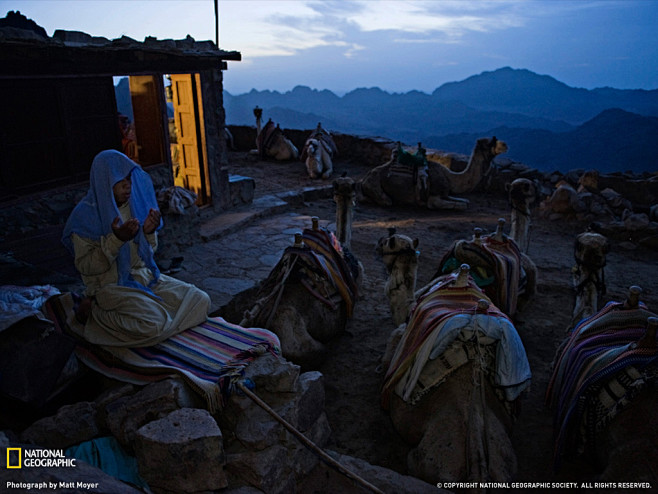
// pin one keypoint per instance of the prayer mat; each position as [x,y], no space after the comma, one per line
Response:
[210,357]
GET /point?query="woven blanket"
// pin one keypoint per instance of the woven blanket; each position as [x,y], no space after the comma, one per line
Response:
[436,321]
[328,255]
[507,272]
[596,373]
[265,139]
[495,266]
[209,357]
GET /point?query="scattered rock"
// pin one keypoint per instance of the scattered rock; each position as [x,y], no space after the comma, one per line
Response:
[182,452]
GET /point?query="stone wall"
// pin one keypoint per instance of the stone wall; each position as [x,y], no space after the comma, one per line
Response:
[368,150]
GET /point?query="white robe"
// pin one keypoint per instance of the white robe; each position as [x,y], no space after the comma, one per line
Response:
[130,317]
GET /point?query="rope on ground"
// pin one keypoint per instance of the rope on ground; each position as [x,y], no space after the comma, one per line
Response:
[307,442]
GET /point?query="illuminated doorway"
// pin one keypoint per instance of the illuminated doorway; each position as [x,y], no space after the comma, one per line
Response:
[187,135]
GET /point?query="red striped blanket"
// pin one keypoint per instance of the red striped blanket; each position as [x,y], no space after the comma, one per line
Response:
[209,357]
[440,303]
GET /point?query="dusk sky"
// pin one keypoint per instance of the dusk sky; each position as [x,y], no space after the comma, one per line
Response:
[398,46]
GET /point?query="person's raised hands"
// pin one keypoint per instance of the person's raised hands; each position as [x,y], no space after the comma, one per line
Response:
[152,221]
[126,231]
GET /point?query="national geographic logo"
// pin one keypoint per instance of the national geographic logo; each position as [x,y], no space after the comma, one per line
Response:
[38,458]
[14,458]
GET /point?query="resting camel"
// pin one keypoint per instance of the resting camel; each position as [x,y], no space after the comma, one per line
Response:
[455,373]
[603,392]
[521,193]
[319,149]
[413,180]
[506,275]
[271,141]
[309,295]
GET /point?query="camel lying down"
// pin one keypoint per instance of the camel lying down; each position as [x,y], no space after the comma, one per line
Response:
[603,392]
[456,373]
[308,297]
[412,179]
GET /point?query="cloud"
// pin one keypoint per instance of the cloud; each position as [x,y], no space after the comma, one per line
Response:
[288,27]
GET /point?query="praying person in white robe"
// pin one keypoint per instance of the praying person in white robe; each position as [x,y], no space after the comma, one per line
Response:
[112,234]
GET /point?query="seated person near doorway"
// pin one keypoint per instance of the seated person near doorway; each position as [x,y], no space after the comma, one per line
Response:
[112,234]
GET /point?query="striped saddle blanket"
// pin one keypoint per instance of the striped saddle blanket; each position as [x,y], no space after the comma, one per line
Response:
[495,267]
[209,357]
[439,318]
[321,265]
[598,370]
[266,138]
[410,170]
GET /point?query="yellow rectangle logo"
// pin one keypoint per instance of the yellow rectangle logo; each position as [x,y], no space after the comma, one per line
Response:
[14,462]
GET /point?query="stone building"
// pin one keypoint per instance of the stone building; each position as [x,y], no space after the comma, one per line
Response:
[61,107]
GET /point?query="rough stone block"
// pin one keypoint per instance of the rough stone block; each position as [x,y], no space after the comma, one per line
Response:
[128,413]
[256,429]
[241,189]
[311,399]
[110,395]
[383,478]
[303,459]
[71,425]
[182,452]
[267,470]
[273,374]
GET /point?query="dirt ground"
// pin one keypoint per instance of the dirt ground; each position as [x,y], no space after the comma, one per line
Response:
[360,427]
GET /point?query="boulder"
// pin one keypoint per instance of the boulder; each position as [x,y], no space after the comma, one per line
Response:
[267,470]
[182,452]
[301,458]
[311,401]
[71,425]
[273,374]
[128,413]
[636,221]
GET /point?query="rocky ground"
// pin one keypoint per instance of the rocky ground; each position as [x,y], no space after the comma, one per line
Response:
[352,372]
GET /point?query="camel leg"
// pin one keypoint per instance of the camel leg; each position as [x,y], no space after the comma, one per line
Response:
[327,165]
[296,344]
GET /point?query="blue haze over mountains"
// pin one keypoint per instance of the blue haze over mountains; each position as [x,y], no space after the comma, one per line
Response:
[547,124]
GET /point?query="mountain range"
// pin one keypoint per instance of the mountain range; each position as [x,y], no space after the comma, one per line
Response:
[546,123]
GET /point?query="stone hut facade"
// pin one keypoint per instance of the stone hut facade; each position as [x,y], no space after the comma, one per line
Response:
[63,108]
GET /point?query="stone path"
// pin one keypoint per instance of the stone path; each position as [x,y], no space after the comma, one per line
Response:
[241,247]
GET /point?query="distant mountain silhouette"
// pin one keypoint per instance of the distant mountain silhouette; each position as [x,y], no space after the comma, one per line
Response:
[615,140]
[122,94]
[548,125]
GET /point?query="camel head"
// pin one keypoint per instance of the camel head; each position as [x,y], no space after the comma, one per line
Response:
[590,250]
[492,145]
[394,245]
[344,187]
[522,192]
